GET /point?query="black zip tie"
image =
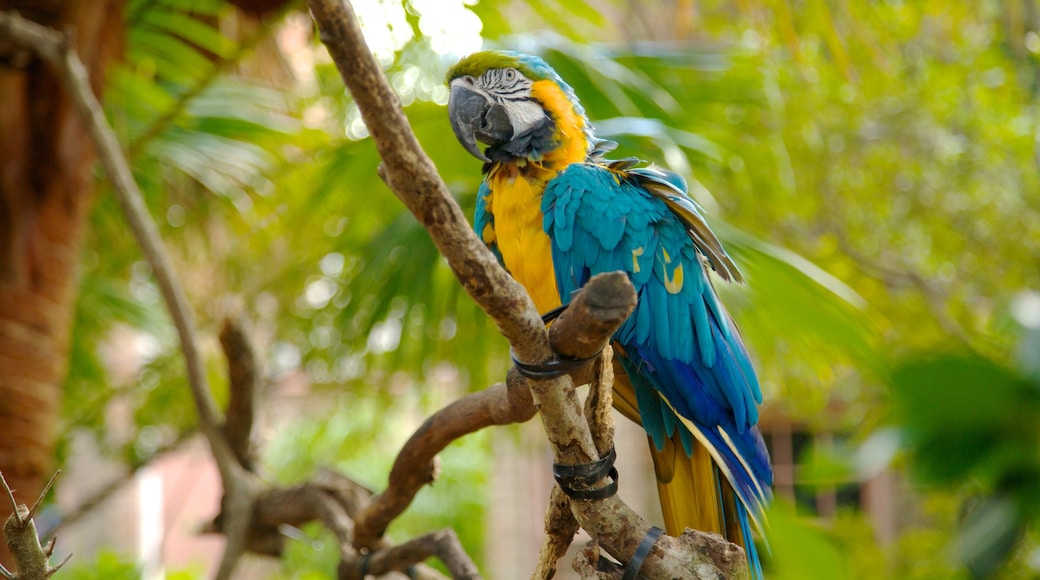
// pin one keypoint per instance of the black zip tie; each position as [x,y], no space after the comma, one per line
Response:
[554,313]
[636,562]
[557,367]
[574,480]
[363,569]
[550,369]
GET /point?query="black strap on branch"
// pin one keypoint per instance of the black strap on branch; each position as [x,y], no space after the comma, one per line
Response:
[636,562]
[550,369]
[575,480]
[363,568]
[555,312]
[558,366]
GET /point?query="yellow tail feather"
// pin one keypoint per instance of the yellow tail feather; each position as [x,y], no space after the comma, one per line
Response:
[686,485]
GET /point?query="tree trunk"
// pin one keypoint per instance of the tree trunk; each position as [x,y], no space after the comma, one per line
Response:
[46,191]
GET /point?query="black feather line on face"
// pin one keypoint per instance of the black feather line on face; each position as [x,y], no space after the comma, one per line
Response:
[530,144]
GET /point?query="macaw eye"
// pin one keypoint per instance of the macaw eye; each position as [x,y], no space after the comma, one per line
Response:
[510,74]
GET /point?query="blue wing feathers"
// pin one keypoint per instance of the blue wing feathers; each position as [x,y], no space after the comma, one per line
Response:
[679,342]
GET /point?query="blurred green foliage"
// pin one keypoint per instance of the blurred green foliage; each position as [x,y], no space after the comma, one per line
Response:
[973,423]
[879,160]
[108,565]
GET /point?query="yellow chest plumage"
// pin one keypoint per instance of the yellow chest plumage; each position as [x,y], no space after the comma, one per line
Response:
[523,243]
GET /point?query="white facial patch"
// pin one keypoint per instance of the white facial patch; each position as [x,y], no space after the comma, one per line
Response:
[509,88]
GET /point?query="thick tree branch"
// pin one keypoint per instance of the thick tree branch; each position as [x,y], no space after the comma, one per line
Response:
[560,523]
[596,311]
[413,178]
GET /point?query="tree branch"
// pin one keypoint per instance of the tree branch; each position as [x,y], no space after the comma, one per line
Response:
[595,312]
[443,544]
[243,381]
[330,498]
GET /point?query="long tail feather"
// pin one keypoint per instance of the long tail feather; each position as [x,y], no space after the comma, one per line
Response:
[688,489]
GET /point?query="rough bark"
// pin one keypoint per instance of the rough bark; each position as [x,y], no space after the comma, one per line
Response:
[46,191]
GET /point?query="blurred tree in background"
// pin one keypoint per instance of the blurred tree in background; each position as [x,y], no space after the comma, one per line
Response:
[876,164]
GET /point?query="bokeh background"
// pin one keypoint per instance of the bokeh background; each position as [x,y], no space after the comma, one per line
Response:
[871,166]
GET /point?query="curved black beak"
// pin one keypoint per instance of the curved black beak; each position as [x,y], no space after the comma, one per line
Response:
[474,117]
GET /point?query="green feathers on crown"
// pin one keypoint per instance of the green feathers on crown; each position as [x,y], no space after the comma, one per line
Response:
[478,63]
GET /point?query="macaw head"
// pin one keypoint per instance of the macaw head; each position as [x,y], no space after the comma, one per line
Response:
[516,105]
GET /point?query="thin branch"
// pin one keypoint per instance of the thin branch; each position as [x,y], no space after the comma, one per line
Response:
[30,556]
[560,529]
[10,497]
[244,380]
[443,544]
[43,494]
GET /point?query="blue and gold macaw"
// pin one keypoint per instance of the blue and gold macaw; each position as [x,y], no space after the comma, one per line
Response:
[556,213]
